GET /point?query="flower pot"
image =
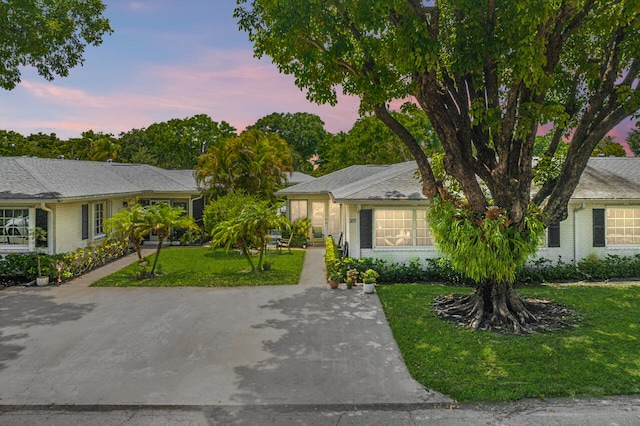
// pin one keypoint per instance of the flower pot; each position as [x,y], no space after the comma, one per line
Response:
[334,284]
[42,281]
[369,287]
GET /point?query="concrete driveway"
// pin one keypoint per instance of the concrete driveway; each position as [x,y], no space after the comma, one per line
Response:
[303,344]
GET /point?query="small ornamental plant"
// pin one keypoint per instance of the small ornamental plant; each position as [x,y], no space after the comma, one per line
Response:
[352,276]
[369,276]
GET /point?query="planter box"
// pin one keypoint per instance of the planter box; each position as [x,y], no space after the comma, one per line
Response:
[42,281]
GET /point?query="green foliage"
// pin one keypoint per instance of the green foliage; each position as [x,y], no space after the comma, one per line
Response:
[484,247]
[332,259]
[300,228]
[371,142]
[49,36]
[607,147]
[224,208]
[130,225]
[203,267]
[18,269]
[303,132]
[591,268]
[633,139]
[249,230]
[161,219]
[177,143]
[252,162]
[591,359]
[369,276]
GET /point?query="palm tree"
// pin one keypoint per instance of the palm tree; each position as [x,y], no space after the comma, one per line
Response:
[129,223]
[253,162]
[249,230]
[161,219]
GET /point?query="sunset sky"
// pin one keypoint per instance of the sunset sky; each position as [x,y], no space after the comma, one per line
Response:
[166,59]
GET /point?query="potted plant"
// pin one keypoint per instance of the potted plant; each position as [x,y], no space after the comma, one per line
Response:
[334,279]
[369,278]
[352,277]
[40,236]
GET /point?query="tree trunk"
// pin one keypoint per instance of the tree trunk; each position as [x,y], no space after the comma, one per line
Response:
[493,306]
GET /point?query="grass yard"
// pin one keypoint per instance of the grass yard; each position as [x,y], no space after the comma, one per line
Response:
[599,357]
[204,267]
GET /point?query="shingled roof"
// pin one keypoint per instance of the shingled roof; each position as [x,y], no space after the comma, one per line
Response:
[610,178]
[42,179]
[616,178]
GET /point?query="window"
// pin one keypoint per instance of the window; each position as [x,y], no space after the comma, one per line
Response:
[98,218]
[553,235]
[401,228]
[298,209]
[85,221]
[623,226]
[423,233]
[14,226]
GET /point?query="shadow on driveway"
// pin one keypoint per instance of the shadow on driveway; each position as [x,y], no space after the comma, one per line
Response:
[21,309]
[335,347]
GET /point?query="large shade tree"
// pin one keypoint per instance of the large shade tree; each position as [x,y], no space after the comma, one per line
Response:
[50,36]
[487,74]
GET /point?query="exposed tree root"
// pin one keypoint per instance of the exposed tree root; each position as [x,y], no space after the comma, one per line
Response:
[498,308]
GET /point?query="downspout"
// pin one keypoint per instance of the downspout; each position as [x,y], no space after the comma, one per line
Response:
[49,226]
[575,250]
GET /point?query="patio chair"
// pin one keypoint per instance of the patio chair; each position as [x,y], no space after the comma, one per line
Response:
[274,237]
[282,243]
[316,234]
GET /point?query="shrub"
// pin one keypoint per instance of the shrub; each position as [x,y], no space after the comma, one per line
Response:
[300,228]
[332,258]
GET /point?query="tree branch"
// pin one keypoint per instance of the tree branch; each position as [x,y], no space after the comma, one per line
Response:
[429,186]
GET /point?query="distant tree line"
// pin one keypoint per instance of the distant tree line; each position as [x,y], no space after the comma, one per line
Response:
[179,143]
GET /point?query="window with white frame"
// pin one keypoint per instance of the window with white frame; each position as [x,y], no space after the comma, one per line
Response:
[423,233]
[623,226]
[401,228]
[98,218]
[14,226]
[298,209]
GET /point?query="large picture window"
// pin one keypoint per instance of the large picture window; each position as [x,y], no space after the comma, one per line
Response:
[298,209]
[14,226]
[401,228]
[623,226]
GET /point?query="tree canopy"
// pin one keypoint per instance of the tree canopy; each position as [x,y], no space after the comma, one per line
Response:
[174,144]
[633,139]
[487,74]
[48,35]
[253,162]
[371,142]
[303,132]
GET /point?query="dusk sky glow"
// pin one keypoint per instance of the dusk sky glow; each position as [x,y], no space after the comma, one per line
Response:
[167,59]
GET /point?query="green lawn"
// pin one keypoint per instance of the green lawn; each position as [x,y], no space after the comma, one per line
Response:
[599,357]
[204,267]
